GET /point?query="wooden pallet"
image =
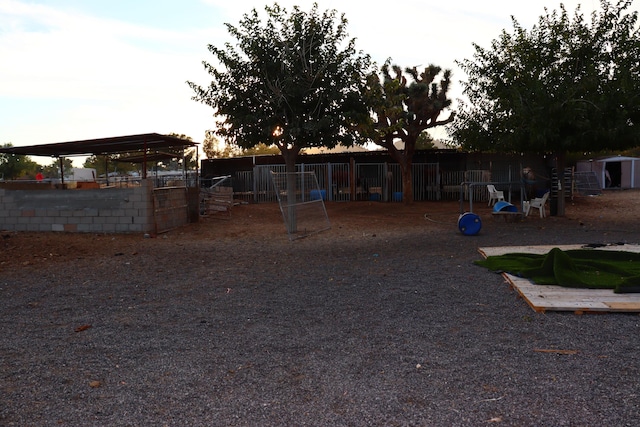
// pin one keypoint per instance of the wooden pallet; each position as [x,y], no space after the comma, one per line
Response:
[557,298]
[216,202]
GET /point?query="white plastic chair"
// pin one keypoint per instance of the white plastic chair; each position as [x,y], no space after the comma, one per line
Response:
[494,195]
[539,203]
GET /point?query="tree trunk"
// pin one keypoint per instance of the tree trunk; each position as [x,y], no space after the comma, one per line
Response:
[405,160]
[407,181]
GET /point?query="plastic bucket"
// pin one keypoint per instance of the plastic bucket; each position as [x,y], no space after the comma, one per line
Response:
[469,224]
[503,206]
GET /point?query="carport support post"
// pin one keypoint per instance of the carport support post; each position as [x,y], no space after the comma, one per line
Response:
[61,161]
[106,168]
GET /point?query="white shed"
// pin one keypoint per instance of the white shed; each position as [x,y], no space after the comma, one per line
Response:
[613,172]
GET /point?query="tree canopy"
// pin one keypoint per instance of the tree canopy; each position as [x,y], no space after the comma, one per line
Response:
[570,84]
[401,110]
[13,166]
[293,80]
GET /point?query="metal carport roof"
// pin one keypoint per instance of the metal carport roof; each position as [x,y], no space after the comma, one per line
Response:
[143,143]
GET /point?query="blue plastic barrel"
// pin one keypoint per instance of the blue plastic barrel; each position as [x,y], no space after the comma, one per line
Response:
[503,206]
[469,224]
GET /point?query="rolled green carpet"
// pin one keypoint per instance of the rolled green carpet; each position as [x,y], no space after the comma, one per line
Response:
[576,268]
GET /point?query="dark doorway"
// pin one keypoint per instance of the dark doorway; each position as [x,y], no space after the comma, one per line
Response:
[613,174]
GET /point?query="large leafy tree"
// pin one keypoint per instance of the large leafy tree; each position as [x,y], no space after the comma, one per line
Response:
[293,80]
[569,84]
[214,148]
[401,111]
[187,159]
[13,166]
[107,163]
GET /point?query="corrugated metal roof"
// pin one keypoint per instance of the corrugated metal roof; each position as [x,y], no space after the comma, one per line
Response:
[143,143]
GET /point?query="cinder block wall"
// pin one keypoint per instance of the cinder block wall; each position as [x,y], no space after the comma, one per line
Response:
[170,208]
[112,210]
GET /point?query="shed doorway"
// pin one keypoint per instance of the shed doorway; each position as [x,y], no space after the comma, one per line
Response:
[613,174]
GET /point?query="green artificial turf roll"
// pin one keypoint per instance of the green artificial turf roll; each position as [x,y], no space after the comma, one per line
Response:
[578,268]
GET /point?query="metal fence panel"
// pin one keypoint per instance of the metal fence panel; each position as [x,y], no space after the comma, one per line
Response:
[426,181]
[301,202]
[369,181]
[379,181]
[340,182]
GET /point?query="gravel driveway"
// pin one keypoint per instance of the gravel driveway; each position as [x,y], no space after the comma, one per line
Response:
[381,321]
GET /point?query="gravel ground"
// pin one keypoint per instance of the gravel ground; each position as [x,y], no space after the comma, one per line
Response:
[381,321]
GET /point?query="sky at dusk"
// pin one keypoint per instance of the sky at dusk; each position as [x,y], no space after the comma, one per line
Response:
[84,69]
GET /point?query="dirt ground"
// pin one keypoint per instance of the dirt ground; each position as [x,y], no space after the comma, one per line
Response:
[384,319]
[616,209]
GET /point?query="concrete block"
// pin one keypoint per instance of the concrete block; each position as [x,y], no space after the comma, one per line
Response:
[139,197]
[12,220]
[47,220]
[141,205]
[84,228]
[96,228]
[135,228]
[57,227]
[72,228]
[88,212]
[123,228]
[99,219]
[143,220]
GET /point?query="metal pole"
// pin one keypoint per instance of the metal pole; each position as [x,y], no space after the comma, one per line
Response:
[61,160]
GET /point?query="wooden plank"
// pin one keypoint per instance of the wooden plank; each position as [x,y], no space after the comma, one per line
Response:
[543,298]
[624,305]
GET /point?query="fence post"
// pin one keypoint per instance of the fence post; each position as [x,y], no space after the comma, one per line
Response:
[254,184]
[329,182]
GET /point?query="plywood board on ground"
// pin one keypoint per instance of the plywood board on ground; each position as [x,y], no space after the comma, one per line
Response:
[557,298]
